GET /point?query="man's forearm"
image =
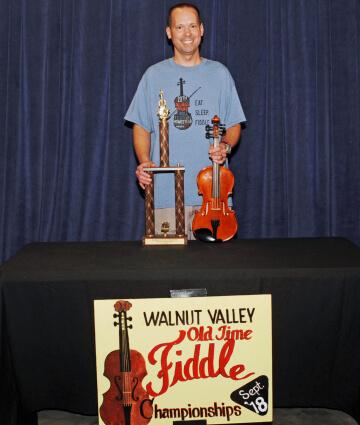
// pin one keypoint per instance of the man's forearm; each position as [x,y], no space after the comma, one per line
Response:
[142,143]
[232,135]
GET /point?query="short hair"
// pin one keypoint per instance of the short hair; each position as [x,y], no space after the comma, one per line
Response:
[181,6]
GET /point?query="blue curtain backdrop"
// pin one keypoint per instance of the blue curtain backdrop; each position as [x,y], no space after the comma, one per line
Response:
[69,68]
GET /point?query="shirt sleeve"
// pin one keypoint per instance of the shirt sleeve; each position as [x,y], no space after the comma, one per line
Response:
[138,112]
[234,110]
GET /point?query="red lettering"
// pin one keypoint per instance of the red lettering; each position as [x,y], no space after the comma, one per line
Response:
[165,366]
[198,366]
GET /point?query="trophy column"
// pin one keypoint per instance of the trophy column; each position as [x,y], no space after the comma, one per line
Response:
[164,141]
[179,203]
[150,237]
[149,209]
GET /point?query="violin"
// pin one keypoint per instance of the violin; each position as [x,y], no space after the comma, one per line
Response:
[215,221]
[126,402]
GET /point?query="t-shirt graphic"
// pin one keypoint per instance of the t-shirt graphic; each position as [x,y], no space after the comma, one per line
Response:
[182,116]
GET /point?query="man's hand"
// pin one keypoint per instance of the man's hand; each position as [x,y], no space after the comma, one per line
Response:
[218,155]
[144,177]
[231,138]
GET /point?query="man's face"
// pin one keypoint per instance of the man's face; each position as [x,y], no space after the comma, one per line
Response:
[185,31]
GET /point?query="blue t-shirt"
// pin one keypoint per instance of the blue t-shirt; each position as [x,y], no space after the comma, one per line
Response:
[193,95]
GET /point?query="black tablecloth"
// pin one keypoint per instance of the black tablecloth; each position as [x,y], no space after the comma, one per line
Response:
[47,330]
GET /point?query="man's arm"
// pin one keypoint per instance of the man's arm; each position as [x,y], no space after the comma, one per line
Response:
[230,138]
[142,143]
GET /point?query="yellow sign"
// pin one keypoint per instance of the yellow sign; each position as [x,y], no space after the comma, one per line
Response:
[197,360]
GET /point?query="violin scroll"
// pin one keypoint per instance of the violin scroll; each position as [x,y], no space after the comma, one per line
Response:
[122,305]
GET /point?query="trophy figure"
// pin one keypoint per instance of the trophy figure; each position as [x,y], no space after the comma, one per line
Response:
[150,237]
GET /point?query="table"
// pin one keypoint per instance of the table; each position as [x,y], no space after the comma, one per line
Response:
[47,330]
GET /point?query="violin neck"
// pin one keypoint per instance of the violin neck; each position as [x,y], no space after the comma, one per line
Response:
[216,174]
[181,83]
[124,350]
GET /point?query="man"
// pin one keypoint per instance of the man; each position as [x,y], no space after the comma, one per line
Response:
[200,89]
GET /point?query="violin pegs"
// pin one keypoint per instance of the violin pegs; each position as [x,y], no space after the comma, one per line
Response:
[116,324]
[130,326]
[129,318]
[115,315]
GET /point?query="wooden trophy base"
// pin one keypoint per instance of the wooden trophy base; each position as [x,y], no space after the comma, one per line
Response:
[179,237]
[165,240]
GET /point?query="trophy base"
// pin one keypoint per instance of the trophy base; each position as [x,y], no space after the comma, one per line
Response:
[164,240]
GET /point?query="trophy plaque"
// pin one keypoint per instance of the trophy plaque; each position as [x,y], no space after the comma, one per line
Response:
[179,238]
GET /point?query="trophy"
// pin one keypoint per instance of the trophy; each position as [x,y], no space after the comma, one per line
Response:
[164,238]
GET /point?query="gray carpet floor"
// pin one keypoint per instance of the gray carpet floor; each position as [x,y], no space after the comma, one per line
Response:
[304,416]
[56,417]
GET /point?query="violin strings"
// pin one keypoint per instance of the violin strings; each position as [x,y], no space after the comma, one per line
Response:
[125,365]
[216,179]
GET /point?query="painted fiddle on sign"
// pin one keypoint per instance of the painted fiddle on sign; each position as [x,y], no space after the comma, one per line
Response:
[126,402]
[215,221]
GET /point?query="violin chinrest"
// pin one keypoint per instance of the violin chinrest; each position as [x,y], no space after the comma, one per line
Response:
[205,235]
